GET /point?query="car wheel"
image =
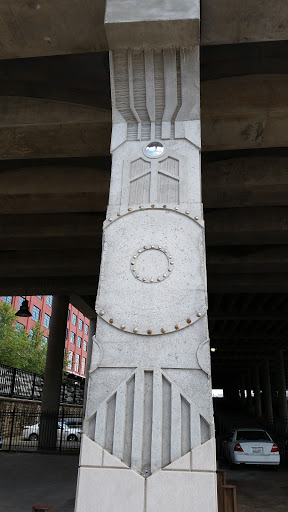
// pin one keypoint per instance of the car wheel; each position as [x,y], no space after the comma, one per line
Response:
[72,437]
[33,437]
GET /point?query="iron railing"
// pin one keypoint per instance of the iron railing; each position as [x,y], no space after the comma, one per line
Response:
[29,431]
[15,383]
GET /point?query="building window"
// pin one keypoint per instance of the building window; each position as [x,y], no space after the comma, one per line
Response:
[7,298]
[21,300]
[39,296]
[19,326]
[77,361]
[46,322]
[85,345]
[86,328]
[44,341]
[79,341]
[83,365]
[31,332]
[35,313]
[72,337]
[68,314]
[74,319]
[49,300]
[70,360]
[66,334]
[80,324]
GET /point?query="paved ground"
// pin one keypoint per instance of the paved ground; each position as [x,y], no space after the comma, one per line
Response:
[260,489]
[27,479]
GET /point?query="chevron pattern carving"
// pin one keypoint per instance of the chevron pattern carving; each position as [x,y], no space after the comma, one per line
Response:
[148,422]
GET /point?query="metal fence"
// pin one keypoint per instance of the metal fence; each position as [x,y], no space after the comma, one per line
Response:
[15,383]
[29,431]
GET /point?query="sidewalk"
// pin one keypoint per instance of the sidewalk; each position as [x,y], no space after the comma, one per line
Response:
[28,479]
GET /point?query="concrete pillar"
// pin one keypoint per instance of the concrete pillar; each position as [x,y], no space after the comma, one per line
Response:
[226,393]
[53,373]
[267,396]
[249,390]
[149,402]
[92,329]
[257,394]
[282,400]
[242,390]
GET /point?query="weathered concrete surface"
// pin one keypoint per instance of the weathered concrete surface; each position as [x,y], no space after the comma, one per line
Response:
[244,112]
[30,29]
[131,24]
[243,21]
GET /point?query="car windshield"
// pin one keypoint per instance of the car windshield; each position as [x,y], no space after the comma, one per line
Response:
[252,435]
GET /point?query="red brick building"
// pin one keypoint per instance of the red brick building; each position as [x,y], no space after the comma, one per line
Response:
[77,330]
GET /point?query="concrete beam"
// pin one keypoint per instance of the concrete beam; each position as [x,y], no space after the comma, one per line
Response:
[245,260]
[247,226]
[245,112]
[132,24]
[85,304]
[36,128]
[53,231]
[234,21]
[248,283]
[241,182]
[49,263]
[50,285]
[52,189]
[30,29]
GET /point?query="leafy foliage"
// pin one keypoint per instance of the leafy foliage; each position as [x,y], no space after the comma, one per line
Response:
[18,348]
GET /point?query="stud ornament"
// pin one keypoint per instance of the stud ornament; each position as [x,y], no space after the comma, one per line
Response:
[158,277]
[156,330]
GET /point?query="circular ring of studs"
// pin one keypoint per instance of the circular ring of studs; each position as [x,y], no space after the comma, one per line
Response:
[152,279]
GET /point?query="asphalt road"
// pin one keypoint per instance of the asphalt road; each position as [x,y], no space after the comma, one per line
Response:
[260,489]
[27,479]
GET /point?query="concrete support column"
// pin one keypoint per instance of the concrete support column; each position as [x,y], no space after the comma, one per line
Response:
[92,329]
[282,400]
[267,395]
[242,391]
[249,390]
[257,394]
[53,373]
[149,410]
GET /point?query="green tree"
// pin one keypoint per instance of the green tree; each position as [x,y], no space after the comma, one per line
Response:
[18,348]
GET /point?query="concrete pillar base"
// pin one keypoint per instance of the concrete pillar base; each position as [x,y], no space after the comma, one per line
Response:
[188,483]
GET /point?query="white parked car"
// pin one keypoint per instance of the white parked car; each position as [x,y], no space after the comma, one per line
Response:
[31,432]
[251,446]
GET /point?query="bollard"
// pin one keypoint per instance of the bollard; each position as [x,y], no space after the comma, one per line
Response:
[230,502]
[41,508]
[221,481]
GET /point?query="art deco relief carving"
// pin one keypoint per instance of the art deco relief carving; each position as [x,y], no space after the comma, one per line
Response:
[151,422]
[152,299]
[150,91]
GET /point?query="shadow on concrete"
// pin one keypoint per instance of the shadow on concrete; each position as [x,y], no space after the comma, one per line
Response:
[27,479]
